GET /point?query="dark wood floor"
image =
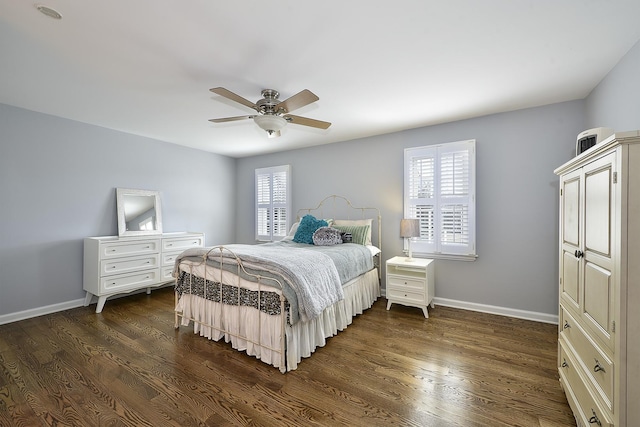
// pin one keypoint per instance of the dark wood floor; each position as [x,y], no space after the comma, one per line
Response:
[128,366]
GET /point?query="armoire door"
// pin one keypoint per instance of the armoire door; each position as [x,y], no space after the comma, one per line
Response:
[571,239]
[598,245]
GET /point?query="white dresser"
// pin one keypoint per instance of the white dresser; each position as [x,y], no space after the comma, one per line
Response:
[116,265]
[410,283]
[599,328]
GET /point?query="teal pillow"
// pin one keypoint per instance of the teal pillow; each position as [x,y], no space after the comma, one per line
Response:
[308,225]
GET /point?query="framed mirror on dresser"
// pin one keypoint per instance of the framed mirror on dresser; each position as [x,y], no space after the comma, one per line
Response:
[141,256]
[139,212]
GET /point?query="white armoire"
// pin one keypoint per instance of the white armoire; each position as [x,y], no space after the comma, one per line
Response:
[599,316]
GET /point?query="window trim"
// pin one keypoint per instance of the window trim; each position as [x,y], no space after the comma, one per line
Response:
[271,171]
[438,248]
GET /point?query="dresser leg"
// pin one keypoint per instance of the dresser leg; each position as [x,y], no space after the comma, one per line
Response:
[149,291]
[388,305]
[87,298]
[424,310]
[100,305]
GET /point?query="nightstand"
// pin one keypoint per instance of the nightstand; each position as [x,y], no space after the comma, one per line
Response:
[410,282]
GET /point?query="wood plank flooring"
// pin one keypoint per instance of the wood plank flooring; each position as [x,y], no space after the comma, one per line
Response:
[128,366]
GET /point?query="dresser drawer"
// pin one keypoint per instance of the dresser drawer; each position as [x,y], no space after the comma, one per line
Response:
[109,267]
[406,283]
[583,404]
[167,274]
[597,366]
[169,258]
[136,247]
[127,282]
[179,244]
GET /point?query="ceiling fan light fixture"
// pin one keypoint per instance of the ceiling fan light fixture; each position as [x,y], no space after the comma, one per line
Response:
[51,13]
[272,124]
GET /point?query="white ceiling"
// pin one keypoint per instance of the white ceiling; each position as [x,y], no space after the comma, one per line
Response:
[146,67]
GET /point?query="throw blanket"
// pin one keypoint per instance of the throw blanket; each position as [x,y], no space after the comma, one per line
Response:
[351,260]
[311,280]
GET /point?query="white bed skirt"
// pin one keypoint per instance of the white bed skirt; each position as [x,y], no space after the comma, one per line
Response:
[260,334]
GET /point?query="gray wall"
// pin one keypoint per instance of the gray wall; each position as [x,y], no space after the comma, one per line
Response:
[57,186]
[615,102]
[57,181]
[517,197]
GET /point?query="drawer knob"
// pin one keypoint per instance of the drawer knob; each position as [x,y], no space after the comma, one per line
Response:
[594,419]
[578,253]
[564,364]
[566,325]
[598,367]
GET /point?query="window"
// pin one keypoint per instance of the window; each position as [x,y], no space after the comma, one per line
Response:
[273,202]
[439,190]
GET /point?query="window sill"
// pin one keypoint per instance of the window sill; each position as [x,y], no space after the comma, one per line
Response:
[450,257]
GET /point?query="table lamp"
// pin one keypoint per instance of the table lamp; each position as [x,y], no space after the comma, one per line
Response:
[410,228]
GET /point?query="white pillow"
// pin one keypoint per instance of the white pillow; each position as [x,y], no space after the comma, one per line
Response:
[374,250]
[292,232]
[294,228]
[348,222]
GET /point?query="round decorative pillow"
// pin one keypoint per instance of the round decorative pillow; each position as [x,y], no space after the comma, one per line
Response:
[327,236]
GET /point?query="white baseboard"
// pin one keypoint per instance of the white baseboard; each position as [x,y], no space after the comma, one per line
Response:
[48,309]
[502,311]
[492,309]
[40,311]
[483,308]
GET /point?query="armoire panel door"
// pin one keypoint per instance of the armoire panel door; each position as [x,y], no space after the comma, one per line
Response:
[571,240]
[599,213]
[571,210]
[570,279]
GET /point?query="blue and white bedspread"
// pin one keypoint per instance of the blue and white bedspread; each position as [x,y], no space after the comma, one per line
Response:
[312,276]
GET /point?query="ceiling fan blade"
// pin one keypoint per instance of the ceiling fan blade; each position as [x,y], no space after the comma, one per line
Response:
[298,100]
[305,121]
[234,97]
[230,119]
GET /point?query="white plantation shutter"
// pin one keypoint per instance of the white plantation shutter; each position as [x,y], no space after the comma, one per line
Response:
[440,192]
[273,202]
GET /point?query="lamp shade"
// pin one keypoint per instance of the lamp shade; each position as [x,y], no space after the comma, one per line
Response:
[410,228]
[270,123]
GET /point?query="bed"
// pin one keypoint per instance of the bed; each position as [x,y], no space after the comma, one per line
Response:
[280,301]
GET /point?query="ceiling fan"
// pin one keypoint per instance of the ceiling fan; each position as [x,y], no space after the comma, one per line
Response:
[273,114]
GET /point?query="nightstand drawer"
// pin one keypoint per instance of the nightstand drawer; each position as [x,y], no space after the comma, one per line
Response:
[402,295]
[407,283]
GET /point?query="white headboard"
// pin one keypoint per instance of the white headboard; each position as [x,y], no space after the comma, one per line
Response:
[339,207]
